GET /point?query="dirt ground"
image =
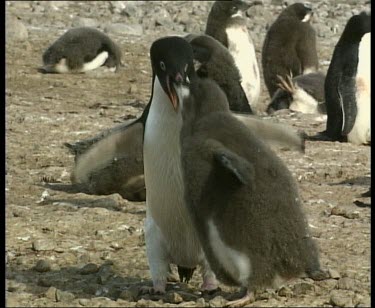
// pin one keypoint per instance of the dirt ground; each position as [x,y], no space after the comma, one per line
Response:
[73,250]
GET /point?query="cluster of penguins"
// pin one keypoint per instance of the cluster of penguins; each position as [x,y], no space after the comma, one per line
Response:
[205,162]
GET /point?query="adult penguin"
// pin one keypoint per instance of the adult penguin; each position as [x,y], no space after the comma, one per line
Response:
[348,84]
[226,23]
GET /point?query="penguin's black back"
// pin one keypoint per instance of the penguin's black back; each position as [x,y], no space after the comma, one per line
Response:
[340,80]
[289,47]
[234,179]
[81,45]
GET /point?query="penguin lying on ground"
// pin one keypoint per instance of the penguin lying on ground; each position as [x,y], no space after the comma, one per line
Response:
[242,199]
[348,85]
[226,24]
[289,46]
[304,93]
[80,50]
[215,62]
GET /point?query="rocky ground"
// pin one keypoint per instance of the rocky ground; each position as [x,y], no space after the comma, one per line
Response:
[72,250]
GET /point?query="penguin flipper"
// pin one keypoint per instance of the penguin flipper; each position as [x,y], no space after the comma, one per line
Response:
[240,168]
[348,103]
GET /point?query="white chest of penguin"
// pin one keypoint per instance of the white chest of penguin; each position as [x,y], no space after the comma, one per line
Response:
[242,50]
[361,132]
[163,178]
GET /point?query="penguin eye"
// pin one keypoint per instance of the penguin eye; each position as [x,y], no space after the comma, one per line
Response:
[162,65]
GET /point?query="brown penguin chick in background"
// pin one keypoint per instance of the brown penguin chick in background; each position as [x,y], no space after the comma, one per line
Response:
[215,62]
[242,199]
[289,46]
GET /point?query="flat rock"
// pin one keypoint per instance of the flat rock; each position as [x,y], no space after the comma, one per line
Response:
[43,245]
[90,268]
[340,298]
[346,283]
[43,266]
[124,29]
[15,30]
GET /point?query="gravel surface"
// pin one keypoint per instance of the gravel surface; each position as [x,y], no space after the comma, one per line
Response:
[76,250]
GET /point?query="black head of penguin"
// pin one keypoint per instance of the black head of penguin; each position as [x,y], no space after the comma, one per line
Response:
[356,27]
[301,11]
[79,46]
[216,62]
[220,14]
[172,63]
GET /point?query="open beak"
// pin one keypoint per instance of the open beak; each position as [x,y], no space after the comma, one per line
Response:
[172,94]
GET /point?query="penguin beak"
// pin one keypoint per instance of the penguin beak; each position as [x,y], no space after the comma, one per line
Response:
[177,80]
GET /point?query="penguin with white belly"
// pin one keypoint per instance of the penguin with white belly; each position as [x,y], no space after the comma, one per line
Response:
[169,234]
[226,24]
[348,84]
[303,93]
[80,50]
[215,62]
[289,47]
[242,199]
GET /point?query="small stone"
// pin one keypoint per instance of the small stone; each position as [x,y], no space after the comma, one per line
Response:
[44,282]
[132,89]
[285,292]
[63,296]
[188,296]
[90,268]
[334,274]
[340,299]
[51,293]
[143,303]
[217,301]
[346,283]
[303,288]
[201,302]
[174,298]
[43,245]
[124,29]
[43,266]
[15,30]
[84,22]
[14,286]
[130,294]
[83,301]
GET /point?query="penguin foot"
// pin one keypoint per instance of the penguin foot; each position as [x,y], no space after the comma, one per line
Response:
[209,284]
[158,288]
[318,275]
[247,299]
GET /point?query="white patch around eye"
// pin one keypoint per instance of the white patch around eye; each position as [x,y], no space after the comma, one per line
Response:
[307,17]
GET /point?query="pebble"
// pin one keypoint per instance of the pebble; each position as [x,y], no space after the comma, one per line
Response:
[43,266]
[51,293]
[90,268]
[15,286]
[15,30]
[43,245]
[346,283]
[303,288]
[124,29]
[334,274]
[44,282]
[130,294]
[63,296]
[84,22]
[285,292]
[340,299]
[83,301]
[217,301]
[173,298]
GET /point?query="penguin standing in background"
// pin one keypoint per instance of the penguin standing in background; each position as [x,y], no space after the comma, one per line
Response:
[289,47]
[226,24]
[215,62]
[80,50]
[242,199]
[304,93]
[348,84]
